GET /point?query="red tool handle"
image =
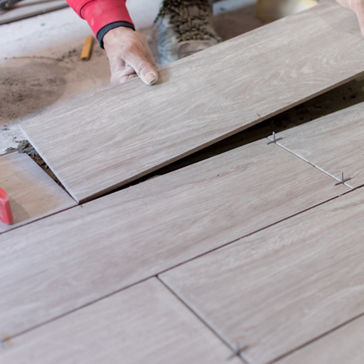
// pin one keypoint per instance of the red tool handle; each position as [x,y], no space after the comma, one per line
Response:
[5,211]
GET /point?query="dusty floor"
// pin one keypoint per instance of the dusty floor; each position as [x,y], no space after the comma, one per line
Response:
[40,66]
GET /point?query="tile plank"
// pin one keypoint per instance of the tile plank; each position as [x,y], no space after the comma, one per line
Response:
[344,345]
[144,324]
[32,193]
[284,286]
[107,244]
[135,130]
[333,142]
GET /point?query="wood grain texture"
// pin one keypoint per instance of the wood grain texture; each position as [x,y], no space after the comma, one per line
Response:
[107,244]
[333,142]
[32,193]
[112,137]
[344,345]
[144,324]
[282,287]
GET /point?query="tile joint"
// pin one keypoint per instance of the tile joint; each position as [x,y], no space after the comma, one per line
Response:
[343,180]
[340,181]
[237,351]
[274,139]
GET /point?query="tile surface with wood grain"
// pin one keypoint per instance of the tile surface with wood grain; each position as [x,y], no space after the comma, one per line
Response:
[116,135]
[143,324]
[278,289]
[109,243]
[343,345]
[32,193]
[333,143]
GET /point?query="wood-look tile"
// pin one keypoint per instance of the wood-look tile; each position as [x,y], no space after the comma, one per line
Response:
[333,143]
[32,193]
[144,324]
[284,286]
[114,136]
[344,345]
[90,251]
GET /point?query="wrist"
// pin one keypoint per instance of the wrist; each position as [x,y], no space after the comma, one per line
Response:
[107,31]
[102,13]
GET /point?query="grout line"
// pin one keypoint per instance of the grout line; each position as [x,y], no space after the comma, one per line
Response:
[251,233]
[166,270]
[55,318]
[354,189]
[317,338]
[312,164]
[39,218]
[80,204]
[225,342]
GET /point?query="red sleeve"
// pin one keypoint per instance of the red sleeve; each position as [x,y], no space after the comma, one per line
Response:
[99,13]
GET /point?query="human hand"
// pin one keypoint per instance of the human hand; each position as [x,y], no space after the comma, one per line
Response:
[129,56]
[358,7]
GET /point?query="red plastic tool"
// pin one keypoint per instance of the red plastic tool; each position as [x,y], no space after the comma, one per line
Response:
[6,215]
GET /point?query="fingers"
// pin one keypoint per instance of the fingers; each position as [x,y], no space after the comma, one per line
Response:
[141,61]
[122,77]
[132,66]
[129,56]
[120,72]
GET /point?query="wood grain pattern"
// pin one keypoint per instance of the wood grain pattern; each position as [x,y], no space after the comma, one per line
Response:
[107,244]
[284,286]
[114,136]
[144,324]
[344,345]
[29,8]
[333,142]
[32,193]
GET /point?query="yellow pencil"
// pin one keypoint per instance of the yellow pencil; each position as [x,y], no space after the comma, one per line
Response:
[87,48]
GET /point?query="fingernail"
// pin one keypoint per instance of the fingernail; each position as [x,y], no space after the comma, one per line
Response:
[151,78]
